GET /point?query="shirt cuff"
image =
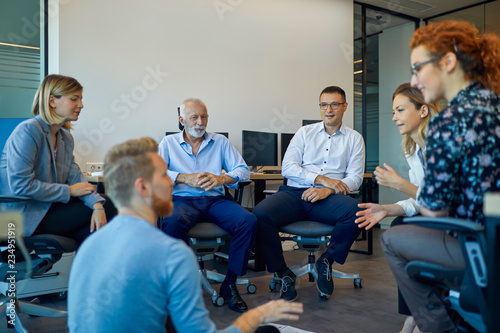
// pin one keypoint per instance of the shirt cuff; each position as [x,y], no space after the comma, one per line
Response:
[311,177]
[173,175]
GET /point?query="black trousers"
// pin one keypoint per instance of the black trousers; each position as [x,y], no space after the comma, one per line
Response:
[71,219]
[286,207]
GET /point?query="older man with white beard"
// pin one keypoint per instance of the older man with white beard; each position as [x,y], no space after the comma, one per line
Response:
[195,159]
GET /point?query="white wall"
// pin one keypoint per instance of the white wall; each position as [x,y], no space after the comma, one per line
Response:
[394,69]
[257,64]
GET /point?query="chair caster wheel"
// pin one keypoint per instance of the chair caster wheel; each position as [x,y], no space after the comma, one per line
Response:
[275,285]
[251,288]
[62,295]
[358,283]
[219,301]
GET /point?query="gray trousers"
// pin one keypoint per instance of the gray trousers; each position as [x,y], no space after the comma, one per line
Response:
[402,244]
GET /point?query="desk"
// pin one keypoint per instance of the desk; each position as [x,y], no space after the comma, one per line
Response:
[98,181]
[259,180]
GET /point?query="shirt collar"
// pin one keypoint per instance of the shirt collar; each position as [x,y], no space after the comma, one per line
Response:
[321,128]
[207,137]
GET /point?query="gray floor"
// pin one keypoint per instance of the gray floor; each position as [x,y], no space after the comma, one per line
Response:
[372,308]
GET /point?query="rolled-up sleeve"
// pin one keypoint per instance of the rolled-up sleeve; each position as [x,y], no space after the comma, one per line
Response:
[234,165]
[356,163]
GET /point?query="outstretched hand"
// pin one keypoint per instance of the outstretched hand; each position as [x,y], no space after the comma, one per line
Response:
[373,214]
[280,309]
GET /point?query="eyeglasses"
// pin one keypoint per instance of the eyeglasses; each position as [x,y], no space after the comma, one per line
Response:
[334,105]
[416,67]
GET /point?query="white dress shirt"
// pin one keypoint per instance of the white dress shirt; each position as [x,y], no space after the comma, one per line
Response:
[416,173]
[313,152]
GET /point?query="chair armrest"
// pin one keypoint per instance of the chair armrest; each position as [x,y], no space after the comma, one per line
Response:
[445,223]
[243,183]
[13,198]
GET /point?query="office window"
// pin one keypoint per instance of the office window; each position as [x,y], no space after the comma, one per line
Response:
[21,55]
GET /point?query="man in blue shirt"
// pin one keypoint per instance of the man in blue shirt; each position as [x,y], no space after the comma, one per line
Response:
[324,162]
[195,160]
[130,269]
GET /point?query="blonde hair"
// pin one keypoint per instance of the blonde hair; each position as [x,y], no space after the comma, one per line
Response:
[123,164]
[417,99]
[57,86]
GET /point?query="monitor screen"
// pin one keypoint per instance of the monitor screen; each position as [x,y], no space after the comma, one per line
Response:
[260,148]
[309,122]
[285,141]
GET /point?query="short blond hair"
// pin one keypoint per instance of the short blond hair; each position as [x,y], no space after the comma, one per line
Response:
[123,164]
[57,86]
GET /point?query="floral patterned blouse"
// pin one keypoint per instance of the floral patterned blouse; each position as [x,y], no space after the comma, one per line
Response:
[463,154]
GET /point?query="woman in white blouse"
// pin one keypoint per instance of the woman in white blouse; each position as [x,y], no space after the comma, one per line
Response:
[411,115]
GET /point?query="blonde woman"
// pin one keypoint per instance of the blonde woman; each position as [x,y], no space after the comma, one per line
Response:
[411,115]
[37,161]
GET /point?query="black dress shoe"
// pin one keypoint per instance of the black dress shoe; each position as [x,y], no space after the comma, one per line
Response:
[233,298]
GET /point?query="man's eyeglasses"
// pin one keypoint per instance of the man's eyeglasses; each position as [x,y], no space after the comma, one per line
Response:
[334,105]
[416,67]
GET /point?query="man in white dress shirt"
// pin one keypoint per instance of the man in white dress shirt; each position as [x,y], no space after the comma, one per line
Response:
[323,163]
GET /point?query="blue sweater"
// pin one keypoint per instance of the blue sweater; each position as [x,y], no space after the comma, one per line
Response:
[129,276]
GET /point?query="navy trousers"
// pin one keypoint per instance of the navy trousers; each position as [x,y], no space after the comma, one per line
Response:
[286,207]
[224,212]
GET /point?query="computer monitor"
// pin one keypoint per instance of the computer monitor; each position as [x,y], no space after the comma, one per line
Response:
[285,141]
[260,148]
[309,122]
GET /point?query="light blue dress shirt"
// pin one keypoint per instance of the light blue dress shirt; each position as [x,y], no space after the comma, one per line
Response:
[313,152]
[116,287]
[216,153]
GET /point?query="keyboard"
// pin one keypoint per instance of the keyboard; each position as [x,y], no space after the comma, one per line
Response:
[272,172]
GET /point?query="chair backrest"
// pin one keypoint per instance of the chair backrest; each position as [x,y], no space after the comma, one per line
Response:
[471,281]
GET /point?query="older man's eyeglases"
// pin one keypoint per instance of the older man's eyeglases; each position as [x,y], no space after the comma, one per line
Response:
[416,67]
[334,105]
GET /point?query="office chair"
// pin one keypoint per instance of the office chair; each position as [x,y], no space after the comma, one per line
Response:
[311,236]
[206,238]
[466,287]
[44,251]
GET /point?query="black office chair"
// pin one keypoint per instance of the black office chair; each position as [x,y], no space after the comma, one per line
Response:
[311,236]
[206,238]
[466,287]
[44,251]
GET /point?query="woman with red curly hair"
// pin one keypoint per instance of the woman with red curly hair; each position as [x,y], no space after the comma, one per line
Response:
[450,61]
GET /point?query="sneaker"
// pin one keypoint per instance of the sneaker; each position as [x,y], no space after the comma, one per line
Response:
[324,282]
[288,291]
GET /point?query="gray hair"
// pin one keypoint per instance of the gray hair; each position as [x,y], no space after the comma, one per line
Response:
[182,108]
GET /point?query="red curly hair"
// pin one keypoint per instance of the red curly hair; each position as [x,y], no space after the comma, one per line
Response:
[478,55]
